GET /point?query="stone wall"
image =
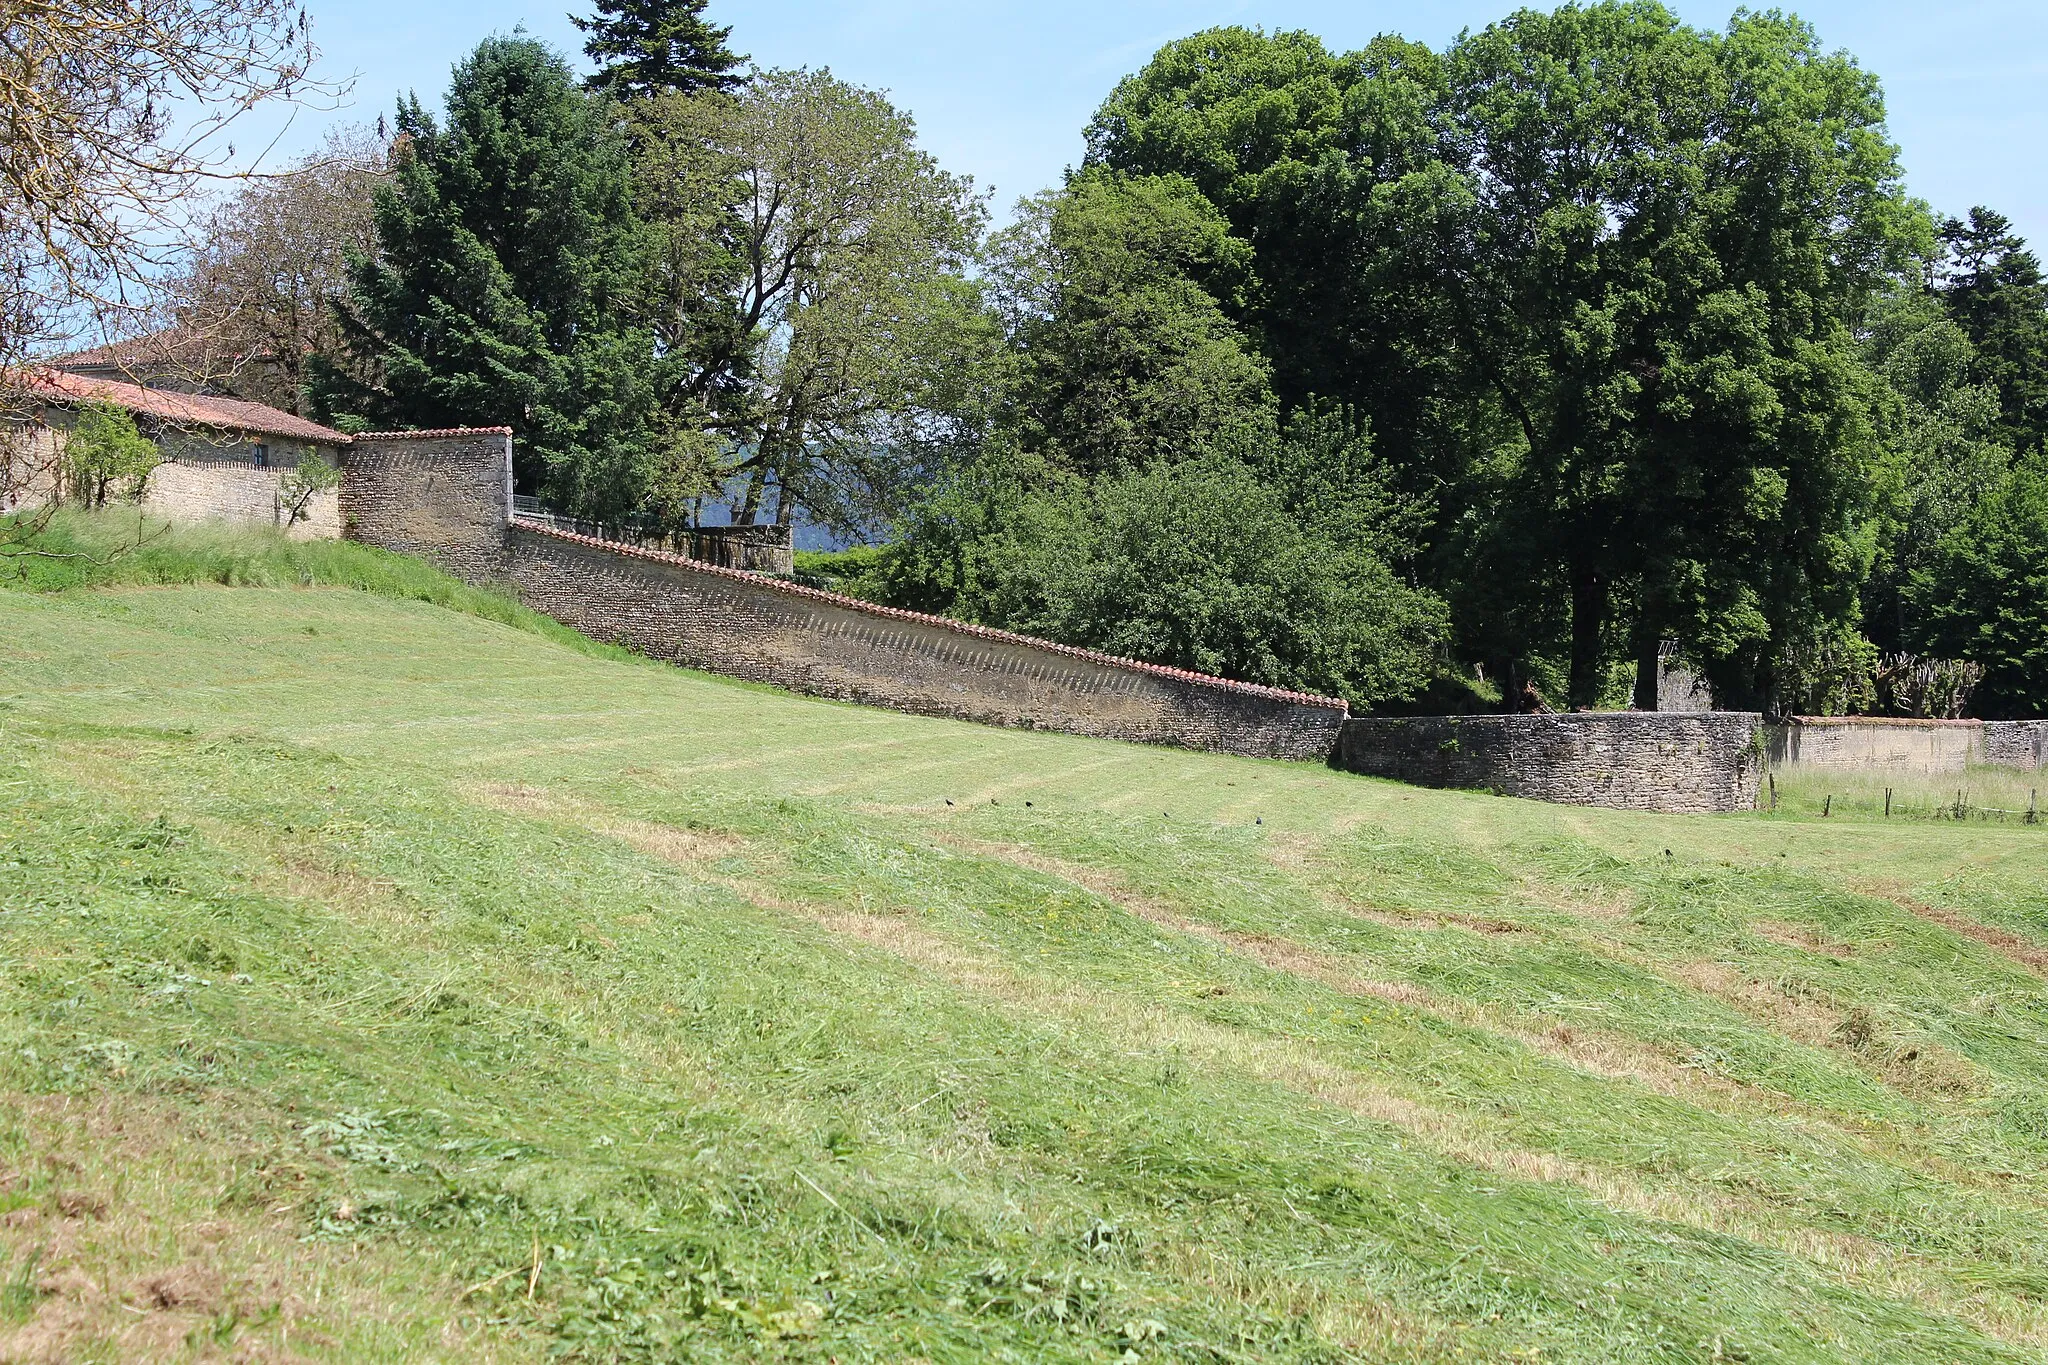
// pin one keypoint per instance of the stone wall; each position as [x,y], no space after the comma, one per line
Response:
[204,475]
[1909,748]
[445,496]
[764,630]
[1665,761]
[220,480]
[2016,744]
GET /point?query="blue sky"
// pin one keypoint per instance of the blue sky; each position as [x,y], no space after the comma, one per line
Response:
[1002,88]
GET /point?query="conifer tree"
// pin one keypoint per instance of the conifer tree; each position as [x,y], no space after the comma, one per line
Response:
[505,284]
[1993,287]
[648,47]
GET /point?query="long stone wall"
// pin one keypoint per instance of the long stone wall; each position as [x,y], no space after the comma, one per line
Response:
[446,496]
[1912,748]
[747,626]
[1657,760]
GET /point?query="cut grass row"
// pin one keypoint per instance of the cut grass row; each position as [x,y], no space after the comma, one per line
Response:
[569,1004]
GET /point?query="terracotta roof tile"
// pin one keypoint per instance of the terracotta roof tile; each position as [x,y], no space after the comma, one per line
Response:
[942,622]
[181,409]
[430,433]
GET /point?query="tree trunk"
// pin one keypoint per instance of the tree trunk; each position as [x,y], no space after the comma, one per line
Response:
[752,504]
[1589,617]
[1647,670]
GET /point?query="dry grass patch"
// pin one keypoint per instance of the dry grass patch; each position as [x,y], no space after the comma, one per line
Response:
[143,1231]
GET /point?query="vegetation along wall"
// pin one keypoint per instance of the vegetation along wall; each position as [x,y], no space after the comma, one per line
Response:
[446,496]
[1693,761]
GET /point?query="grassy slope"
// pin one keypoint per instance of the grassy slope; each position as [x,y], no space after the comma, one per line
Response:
[379,981]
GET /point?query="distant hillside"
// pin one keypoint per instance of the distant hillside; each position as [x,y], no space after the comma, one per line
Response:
[380,981]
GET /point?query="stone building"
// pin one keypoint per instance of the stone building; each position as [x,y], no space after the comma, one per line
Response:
[223,459]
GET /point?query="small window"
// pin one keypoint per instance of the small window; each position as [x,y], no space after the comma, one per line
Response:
[259,455]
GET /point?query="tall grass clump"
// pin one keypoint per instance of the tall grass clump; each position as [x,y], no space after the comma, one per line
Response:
[127,547]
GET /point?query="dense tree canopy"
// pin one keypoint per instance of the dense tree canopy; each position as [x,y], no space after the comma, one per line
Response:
[507,282]
[1390,372]
[1983,593]
[1599,272]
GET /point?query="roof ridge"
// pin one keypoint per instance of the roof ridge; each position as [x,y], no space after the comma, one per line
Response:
[174,406]
[430,432]
[943,622]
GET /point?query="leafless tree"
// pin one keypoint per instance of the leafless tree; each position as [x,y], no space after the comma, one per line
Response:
[115,115]
[254,298]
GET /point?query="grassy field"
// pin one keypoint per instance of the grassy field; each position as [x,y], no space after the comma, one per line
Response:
[385,975]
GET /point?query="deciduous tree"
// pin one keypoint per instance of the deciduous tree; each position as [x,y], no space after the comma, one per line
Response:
[849,351]
[258,294]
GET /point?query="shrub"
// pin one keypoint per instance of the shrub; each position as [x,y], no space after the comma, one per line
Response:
[105,456]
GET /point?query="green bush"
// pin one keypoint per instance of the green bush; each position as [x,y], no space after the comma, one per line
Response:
[1200,565]
[105,456]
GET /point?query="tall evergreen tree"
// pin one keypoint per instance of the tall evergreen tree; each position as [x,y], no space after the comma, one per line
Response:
[650,47]
[504,288]
[1993,287]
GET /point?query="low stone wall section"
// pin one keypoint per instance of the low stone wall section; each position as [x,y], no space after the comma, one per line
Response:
[1907,747]
[1650,760]
[747,626]
[2016,744]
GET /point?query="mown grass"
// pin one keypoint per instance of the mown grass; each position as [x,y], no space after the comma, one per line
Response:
[119,547]
[486,999]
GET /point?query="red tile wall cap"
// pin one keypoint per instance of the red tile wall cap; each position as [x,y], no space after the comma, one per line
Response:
[942,622]
[437,431]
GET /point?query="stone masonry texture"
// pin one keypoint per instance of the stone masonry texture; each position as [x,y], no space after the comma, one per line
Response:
[219,481]
[444,496]
[1921,748]
[2016,743]
[764,630]
[1664,761]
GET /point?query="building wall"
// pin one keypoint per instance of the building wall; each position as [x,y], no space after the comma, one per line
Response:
[446,497]
[207,478]
[31,461]
[204,476]
[1665,761]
